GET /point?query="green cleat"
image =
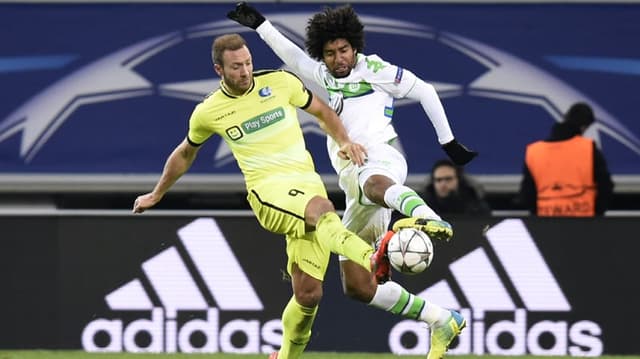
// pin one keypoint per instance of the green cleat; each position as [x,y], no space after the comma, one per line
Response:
[443,334]
[435,229]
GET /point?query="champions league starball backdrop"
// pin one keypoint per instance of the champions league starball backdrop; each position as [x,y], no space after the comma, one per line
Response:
[108,88]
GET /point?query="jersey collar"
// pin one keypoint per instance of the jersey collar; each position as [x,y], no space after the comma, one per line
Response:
[224,90]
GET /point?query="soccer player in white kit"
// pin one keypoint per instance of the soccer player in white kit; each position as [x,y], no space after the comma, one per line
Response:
[362,89]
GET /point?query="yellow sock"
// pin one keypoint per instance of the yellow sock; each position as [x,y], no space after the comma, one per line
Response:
[340,240]
[296,322]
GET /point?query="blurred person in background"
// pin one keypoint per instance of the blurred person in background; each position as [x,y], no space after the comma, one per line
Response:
[450,192]
[566,174]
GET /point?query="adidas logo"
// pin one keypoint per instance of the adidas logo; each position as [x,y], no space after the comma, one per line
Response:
[534,289]
[177,290]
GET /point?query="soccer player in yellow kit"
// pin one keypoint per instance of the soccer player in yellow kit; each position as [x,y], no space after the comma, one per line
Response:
[255,113]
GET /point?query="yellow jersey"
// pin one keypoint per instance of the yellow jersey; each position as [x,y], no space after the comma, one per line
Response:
[260,127]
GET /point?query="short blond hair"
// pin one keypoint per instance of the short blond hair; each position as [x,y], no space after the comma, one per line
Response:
[223,43]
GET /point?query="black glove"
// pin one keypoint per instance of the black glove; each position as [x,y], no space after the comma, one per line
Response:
[458,153]
[246,15]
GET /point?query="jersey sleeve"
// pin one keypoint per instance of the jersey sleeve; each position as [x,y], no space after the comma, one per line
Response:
[291,54]
[300,96]
[198,133]
[390,78]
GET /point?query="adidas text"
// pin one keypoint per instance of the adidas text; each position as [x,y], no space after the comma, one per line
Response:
[581,338]
[496,322]
[165,336]
[174,284]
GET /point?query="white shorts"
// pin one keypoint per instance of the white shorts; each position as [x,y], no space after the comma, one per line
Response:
[361,216]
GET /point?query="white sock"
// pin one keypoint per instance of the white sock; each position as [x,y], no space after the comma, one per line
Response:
[387,295]
[433,313]
[425,212]
[391,297]
[406,201]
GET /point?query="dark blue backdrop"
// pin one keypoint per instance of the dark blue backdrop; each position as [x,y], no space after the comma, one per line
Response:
[109,88]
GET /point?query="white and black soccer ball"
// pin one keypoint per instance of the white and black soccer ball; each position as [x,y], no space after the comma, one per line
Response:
[410,251]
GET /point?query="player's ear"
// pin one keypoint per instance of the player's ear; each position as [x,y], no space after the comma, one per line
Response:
[218,69]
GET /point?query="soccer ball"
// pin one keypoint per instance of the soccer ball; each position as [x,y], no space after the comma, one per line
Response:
[410,251]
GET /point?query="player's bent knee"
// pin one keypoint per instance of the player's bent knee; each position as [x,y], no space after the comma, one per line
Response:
[308,299]
[316,208]
[361,291]
[375,188]
[323,205]
[357,283]
[306,289]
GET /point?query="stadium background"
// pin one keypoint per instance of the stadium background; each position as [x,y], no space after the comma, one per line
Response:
[95,95]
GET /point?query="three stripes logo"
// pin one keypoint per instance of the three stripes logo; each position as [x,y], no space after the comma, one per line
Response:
[169,277]
[484,283]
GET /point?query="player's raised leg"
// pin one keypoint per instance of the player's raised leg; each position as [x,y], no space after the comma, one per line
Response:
[381,182]
[443,333]
[434,228]
[298,209]
[393,298]
[294,210]
[335,236]
[420,215]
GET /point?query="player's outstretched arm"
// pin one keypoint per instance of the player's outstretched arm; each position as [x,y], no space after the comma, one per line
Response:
[176,165]
[246,15]
[285,49]
[428,97]
[332,125]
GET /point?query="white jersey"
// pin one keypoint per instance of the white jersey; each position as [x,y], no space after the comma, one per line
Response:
[364,99]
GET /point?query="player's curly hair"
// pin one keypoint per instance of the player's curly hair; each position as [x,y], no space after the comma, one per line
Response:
[331,24]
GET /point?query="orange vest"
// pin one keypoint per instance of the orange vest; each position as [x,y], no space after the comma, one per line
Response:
[563,174]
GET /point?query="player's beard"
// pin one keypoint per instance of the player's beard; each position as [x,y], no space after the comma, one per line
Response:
[239,87]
